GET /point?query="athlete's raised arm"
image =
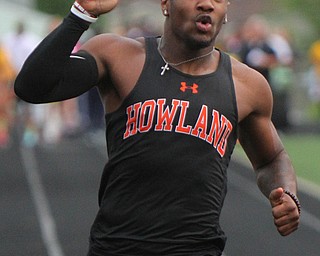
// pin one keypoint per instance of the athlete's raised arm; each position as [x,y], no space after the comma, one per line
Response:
[52,73]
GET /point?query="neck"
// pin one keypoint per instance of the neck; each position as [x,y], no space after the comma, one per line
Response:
[199,56]
[176,51]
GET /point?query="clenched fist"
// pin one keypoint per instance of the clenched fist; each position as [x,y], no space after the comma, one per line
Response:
[285,212]
[97,7]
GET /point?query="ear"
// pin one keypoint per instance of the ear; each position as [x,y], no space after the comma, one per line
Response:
[164,5]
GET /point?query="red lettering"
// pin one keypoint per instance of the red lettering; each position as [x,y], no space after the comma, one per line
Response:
[132,117]
[223,142]
[140,118]
[215,129]
[165,116]
[201,124]
[145,115]
[181,128]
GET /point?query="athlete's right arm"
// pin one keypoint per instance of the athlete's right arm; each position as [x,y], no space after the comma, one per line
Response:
[51,73]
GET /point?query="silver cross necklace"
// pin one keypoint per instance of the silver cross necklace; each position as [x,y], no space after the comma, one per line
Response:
[166,66]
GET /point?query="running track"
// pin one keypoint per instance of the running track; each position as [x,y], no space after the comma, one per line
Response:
[48,197]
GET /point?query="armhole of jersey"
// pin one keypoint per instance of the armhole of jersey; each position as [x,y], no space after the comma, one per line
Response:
[148,49]
[227,61]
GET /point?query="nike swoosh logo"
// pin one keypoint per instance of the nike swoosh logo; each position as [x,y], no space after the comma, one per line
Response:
[77,57]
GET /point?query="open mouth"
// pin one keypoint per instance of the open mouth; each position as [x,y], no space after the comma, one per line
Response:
[204,23]
[204,19]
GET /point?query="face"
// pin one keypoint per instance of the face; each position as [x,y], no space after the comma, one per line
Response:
[195,22]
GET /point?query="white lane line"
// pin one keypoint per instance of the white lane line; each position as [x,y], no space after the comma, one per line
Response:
[46,221]
[307,218]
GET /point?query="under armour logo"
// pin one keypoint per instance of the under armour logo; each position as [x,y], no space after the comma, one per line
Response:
[185,87]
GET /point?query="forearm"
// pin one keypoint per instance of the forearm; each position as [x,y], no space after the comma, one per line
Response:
[278,173]
[49,74]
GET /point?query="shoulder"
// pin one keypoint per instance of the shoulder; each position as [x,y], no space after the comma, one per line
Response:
[247,76]
[113,44]
[112,52]
[253,91]
[110,42]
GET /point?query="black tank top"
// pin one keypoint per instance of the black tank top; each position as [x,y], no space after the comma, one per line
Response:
[169,146]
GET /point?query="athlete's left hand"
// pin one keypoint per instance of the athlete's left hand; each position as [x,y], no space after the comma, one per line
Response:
[285,212]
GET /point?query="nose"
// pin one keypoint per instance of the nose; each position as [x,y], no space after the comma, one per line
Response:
[205,6]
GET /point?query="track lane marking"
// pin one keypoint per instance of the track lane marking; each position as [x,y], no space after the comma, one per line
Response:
[41,203]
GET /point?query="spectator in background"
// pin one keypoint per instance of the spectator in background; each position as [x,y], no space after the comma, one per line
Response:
[255,50]
[313,79]
[7,98]
[281,76]
[280,42]
[266,52]
[19,44]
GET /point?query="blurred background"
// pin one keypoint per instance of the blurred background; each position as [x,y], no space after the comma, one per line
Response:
[280,39]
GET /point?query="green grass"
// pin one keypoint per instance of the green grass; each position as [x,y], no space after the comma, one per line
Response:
[304,151]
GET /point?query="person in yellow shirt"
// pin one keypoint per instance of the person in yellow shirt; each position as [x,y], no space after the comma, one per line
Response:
[313,79]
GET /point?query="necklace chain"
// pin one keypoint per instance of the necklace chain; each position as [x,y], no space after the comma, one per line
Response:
[166,66]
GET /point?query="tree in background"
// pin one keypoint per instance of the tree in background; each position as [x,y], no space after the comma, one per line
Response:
[56,7]
[309,9]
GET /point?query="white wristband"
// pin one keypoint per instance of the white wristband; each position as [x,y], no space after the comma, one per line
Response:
[79,11]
